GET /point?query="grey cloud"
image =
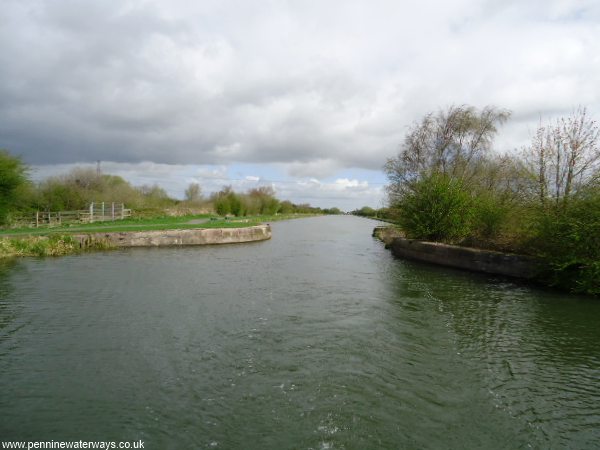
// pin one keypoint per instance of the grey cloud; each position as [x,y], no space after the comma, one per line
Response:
[315,87]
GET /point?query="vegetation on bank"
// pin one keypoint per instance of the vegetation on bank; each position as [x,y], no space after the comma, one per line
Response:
[52,245]
[154,223]
[448,185]
[75,190]
[59,241]
[372,213]
[152,208]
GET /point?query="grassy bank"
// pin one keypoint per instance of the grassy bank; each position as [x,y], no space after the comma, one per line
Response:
[153,224]
[53,245]
[57,241]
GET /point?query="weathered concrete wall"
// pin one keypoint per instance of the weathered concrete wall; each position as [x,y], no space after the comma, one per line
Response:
[206,236]
[466,258]
[387,234]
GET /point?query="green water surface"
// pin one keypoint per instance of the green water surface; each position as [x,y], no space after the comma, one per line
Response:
[316,339]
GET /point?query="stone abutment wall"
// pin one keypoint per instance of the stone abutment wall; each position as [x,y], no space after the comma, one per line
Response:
[204,236]
[476,260]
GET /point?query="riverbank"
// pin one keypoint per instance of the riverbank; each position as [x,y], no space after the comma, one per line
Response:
[204,229]
[59,245]
[153,223]
[52,245]
[466,258]
[206,236]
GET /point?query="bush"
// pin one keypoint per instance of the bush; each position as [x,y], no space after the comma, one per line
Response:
[569,240]
[436,208]
[489,215]
[13,177]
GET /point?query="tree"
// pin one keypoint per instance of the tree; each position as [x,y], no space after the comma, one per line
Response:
[564,158]
[154,196]
[226,201]
[55,195]
[13,178]
[262,201]
[450,143]
[287,207]
[366,211]
[80,186]
[445,163]
[193,193]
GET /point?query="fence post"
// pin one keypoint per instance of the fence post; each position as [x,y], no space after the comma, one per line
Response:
[59,219]
[37,219]
[92,212]
[112,206]
[102,211]
[122,211]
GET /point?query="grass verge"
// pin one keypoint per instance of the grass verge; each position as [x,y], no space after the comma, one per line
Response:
[149,224]
[53,245]
[58,241]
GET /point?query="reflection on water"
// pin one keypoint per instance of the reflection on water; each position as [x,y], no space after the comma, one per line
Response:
[8,312]
[315,339]
[534,350]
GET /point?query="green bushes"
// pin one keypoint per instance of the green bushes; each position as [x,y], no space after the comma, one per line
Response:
[569,240]
[13,180]
[446,185]
[79,187]
[256,201]
[53,245]
[228,202]
[436,208]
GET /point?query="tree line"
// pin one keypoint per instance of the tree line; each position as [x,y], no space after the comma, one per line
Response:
[447,184]
[76,189]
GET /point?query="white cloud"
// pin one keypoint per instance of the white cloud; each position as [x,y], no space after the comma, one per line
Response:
[311,87]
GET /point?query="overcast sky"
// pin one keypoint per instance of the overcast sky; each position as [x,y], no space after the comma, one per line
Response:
[309,96]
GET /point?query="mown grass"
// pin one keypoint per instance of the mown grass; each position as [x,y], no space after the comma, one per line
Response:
[150,224]
[120,225]
[58,241]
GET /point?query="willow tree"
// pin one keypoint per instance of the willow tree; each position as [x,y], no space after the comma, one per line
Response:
[451,143]
[193,193]
[434,178]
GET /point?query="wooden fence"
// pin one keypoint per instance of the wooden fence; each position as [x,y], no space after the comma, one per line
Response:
[97,212]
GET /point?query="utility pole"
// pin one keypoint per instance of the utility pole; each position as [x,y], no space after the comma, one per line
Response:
[98,170]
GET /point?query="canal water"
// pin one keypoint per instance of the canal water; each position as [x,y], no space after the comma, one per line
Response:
[316,339]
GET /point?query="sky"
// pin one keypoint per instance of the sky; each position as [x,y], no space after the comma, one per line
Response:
[310,97]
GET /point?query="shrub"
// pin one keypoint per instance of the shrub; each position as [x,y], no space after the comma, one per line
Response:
[13,176]
[489,215]
[569,240]
[436,208]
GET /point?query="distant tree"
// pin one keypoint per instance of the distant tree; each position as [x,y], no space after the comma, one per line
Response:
[55,195]
[13,178]
[564,158]
[304,208]
[287,207]
[193,193]
[263,201]
[365,211]
[155,197]
[226,201]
